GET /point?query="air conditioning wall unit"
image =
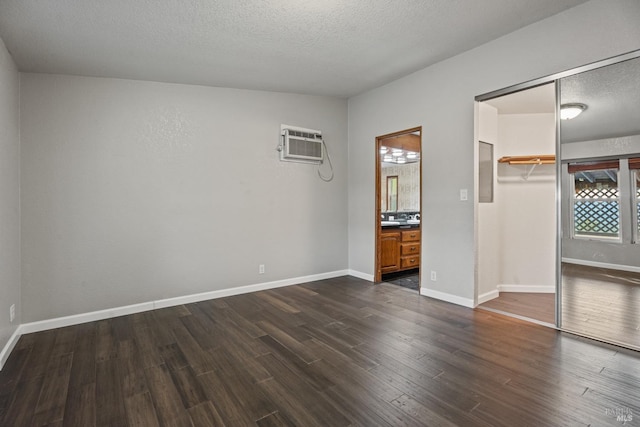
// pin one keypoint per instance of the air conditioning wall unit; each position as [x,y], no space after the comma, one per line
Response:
[301,145]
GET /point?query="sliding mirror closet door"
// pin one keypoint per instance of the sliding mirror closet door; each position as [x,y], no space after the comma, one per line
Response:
[600,199]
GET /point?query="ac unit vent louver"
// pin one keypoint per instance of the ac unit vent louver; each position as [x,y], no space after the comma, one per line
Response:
[301,145]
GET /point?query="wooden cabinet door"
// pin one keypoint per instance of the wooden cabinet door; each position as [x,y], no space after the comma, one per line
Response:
[389,252]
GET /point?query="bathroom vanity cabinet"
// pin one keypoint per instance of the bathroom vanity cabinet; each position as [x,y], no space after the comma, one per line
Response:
[399,249]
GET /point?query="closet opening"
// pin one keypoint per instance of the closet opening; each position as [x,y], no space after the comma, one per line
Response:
[517,204]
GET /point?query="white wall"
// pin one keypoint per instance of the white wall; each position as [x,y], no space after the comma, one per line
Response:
[440,98]
[9,196]
[489,223]
[136,191]
[527,208]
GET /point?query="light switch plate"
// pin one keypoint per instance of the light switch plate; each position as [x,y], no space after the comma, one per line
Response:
[464,195]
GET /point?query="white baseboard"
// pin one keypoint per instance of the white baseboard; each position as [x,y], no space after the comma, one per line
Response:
[454,299]
[360,275]
[630,268]
[13,340]
[92,316]
[488,296]
[534,289]
[76,319]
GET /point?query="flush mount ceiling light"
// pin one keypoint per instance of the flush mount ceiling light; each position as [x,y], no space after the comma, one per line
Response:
[571,111]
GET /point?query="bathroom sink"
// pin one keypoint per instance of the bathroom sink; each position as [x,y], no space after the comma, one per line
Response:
[387,223]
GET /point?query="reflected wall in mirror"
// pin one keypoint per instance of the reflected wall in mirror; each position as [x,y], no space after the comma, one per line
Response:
[400,158]
[600,193]
[407,182]
[392,193]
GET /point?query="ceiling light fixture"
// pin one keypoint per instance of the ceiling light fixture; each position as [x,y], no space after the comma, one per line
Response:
[401,160]
[571,111]
[387,158]
[383,150]
[397,153]
[411,155]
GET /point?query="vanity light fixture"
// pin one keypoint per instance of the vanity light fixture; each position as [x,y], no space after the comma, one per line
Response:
[571,111]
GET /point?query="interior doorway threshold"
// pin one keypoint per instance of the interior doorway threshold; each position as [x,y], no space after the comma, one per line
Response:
[517,316]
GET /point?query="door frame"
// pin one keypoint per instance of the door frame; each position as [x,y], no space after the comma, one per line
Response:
[378,194]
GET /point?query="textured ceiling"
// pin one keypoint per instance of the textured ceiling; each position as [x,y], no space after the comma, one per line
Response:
[612,97]
[328,47]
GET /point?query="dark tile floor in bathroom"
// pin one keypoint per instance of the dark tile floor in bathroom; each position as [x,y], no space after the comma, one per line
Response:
[407,279]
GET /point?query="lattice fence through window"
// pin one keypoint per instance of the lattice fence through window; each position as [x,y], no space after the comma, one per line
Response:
[596,211]
[638,208]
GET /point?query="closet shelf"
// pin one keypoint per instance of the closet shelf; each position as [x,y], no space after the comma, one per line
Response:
[534,159]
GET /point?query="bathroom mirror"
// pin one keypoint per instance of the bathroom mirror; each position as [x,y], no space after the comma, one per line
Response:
[400,173]
[600,199]
[392,193]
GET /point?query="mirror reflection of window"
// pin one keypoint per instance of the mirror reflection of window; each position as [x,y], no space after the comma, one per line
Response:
[600,199]
[634,166]
[596,200]
[392,193]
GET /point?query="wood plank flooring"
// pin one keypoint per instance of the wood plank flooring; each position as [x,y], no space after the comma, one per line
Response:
[535,306]
[336,352]
[601,303]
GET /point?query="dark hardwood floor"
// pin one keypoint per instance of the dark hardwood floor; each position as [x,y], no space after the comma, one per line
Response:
[601,303]
[537,306]
[333,353]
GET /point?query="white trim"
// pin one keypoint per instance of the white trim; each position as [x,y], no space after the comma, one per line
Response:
[92,316]
[8,348]
[631,268]
[487,296]
[535,289]
[76,319]
[187,299]
[466,302]
[360,275]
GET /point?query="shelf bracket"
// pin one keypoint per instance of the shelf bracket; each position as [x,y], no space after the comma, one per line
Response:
[529,171]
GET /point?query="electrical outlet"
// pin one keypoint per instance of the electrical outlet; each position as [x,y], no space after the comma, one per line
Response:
[261,269]
[12,313]
[434,276]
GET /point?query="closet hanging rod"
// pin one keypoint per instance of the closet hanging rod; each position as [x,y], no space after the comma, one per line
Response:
[534,159]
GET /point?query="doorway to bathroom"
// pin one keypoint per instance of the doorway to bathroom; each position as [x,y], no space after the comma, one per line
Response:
[398,208]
